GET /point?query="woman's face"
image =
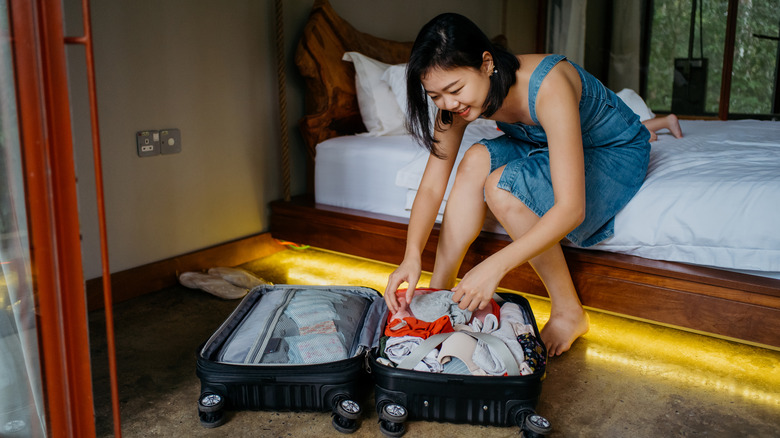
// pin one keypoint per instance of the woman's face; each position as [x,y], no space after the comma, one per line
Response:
[460,90]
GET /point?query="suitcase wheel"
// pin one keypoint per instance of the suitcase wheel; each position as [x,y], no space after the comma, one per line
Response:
[537,424]
[349,409]
[391,419]
[346,413]
[210,410]
[532,425]
[343,424]
[390,429]
[393,412]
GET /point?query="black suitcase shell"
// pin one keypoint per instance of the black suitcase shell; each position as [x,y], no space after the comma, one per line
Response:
[339,386]
[485,400]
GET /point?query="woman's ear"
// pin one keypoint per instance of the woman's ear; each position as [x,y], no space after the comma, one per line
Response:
[487,62]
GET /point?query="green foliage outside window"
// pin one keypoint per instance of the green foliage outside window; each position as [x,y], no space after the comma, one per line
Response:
[753,78]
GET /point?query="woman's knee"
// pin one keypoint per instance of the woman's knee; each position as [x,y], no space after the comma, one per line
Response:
[494,196]
[502,202]
[475,164]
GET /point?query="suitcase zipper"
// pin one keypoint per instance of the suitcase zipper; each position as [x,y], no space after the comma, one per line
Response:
[256,351]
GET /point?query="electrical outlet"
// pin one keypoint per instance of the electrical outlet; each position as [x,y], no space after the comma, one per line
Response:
[148,143]
[170,141]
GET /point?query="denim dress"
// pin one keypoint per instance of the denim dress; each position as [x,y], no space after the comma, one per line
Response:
[616,151]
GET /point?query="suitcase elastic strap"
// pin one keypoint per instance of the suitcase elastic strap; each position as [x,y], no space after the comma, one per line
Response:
[496,345]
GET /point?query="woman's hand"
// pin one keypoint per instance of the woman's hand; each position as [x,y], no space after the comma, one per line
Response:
[408,271]
[477,287]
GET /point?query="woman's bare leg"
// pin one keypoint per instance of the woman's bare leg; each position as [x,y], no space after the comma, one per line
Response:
[568,320]
[464,215]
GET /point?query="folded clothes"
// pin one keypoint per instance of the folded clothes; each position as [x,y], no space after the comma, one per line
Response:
[312,315]
[320,328]
[397,348]
[311,349]
[432,306]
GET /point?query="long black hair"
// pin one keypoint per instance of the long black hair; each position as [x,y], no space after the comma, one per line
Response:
[451,40]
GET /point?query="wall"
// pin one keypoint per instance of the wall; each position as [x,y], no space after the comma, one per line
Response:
[209,69]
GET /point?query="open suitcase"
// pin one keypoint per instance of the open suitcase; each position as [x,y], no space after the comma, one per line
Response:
[317,348]
[403,393]
[294,348]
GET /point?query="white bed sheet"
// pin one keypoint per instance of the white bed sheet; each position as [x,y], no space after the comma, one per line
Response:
[359,172]
[711,198]
[362,172]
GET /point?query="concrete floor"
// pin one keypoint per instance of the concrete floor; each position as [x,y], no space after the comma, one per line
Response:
[625,378]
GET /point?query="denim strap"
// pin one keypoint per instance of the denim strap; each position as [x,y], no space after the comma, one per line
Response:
[537,77]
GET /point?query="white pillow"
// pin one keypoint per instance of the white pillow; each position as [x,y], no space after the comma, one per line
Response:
[636,103]
[395,76]
[378,107]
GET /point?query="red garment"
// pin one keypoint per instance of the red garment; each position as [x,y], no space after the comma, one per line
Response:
[406,324]
[414,327]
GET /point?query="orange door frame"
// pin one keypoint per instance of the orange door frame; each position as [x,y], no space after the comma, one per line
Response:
[52,214]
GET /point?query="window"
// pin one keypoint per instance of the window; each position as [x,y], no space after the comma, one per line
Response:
[754,75]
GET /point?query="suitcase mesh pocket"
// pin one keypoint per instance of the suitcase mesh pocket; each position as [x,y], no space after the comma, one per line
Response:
[305,326]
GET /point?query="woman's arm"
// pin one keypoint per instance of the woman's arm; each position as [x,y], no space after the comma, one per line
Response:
[424,211]
[558,112]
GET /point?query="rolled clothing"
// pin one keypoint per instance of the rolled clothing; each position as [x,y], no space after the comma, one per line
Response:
[397,348]
[432,306]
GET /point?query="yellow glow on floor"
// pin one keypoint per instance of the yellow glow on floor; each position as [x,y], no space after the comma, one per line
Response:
[637,348]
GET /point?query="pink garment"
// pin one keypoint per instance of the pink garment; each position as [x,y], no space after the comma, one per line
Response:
[403,307]
[493,309]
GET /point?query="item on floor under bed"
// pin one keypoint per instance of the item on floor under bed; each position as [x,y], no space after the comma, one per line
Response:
[238,277]
[212,284]
[225,283]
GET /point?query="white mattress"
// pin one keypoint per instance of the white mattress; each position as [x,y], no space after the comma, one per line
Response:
[711,198]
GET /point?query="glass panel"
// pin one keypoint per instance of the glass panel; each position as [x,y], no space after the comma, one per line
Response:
[669,40]
[755,58]
[21,402]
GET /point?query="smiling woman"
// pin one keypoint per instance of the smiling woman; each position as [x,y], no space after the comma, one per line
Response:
[572,156]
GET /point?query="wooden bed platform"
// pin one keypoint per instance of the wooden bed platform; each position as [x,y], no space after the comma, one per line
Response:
[722,303]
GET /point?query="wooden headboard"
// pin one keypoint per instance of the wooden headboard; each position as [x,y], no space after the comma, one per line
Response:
[331,99]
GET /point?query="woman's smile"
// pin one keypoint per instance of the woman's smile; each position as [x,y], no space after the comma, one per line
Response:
[464,112]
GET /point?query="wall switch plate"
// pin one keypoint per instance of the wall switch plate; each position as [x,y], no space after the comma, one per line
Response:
[170,141]
[148,143]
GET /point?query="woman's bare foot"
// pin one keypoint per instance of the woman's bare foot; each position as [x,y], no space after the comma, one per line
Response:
[673,125]
[562,330]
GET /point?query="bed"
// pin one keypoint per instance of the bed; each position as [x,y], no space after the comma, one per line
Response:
[696,248]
